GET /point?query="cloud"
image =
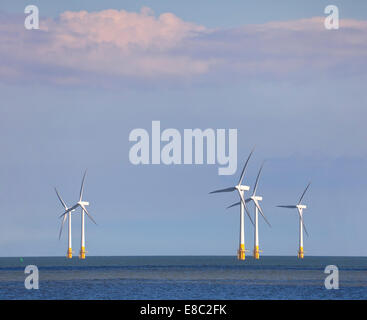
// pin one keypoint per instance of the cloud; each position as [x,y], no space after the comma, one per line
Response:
[286,49]
[121,43]
[111,45]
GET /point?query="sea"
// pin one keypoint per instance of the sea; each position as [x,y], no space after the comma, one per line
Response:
[184,277]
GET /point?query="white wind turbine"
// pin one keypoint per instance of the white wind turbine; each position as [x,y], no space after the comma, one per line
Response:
[240,189]
[300,207]
[255,199]
[82,204]
[69,254]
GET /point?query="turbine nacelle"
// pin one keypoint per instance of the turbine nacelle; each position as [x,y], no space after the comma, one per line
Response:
[83,203]
[257,198]
[242,188]
[301,206]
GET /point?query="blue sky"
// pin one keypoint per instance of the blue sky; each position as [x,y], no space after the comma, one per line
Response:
[291,88]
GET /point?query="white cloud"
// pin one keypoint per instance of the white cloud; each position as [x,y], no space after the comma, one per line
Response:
[110,45]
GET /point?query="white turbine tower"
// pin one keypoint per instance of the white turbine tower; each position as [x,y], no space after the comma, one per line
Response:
[69,254]
[82,204]
[300,207]
[255,199]
[241,189]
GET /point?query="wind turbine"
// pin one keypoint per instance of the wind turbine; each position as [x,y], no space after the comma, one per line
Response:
[69,254]
[300,207]
[82,204]
[240,189]
[255,199]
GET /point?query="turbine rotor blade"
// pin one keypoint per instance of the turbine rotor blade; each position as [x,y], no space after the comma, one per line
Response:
[69,210]
[62,201]
[244,205]
[234,205]
[288,207]
[223,190]
[86,211]
[257,179]
[248,214]
[62,224]
[261,212]
[303,224]
[304,227]
[82,187]
[244,167]
[303,194]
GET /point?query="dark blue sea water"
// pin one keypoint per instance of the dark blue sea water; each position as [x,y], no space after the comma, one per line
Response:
[194,277]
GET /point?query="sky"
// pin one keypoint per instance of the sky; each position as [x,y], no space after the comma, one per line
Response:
[72,92]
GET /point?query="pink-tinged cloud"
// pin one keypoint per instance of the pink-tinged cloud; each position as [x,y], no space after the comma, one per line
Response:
[111,45]
[122,29]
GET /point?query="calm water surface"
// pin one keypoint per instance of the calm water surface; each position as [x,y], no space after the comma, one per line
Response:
[194,277]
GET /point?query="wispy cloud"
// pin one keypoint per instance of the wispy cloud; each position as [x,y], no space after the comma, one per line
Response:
[110,45]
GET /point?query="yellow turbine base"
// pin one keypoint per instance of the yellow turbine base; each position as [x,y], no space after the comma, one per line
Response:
[69,254]
[82,253]
[241,252]
[301,254]
[256,252]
